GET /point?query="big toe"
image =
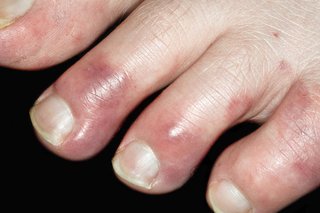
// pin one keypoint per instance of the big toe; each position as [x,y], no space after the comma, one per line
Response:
[35,34]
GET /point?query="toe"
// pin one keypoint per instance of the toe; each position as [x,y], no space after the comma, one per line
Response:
[37,34]
[275,165]
[181,125]
[138,58]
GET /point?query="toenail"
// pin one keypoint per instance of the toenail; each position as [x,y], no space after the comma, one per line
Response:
[224,197]
[52,119]
[10,10]
[137,164]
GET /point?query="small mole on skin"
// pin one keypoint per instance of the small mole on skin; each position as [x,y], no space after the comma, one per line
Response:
[276,34]
[283,65]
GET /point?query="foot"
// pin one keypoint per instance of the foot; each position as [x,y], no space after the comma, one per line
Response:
[222,63]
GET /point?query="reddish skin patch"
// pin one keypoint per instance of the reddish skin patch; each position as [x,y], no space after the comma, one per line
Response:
[96,84]
[238,106]
[16,39]
[99,100]
[277,168]
[77,38]
[176,152]
[309,172]
[284,68]
[296,104]
[298,127]
[284,65]
[50,33]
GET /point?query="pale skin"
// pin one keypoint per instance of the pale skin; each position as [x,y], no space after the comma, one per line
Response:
[221,63]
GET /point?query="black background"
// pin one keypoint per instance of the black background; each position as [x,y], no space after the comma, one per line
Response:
[33,178]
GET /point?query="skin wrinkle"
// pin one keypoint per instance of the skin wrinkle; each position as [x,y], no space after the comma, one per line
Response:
[158,42]
[156,45]
[197,112]
[266,41]
[281,32]
[268,71]
[260,63]
[162,17]
[237,67]
[181,127]
[297,149]
[303,11]
[178,18]
[177,61]
[230,67]
[178,131]
[165,28]
[301,145]
[295,41]
[270,98]
[264,169]
[197,109]
[212,96]
[105,90]
[310,65]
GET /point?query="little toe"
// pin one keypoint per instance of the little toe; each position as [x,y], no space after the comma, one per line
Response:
[274,166]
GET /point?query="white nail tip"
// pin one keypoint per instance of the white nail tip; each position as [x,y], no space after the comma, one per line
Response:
[226,198]
[137,164]
[52,119]
[12,9]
